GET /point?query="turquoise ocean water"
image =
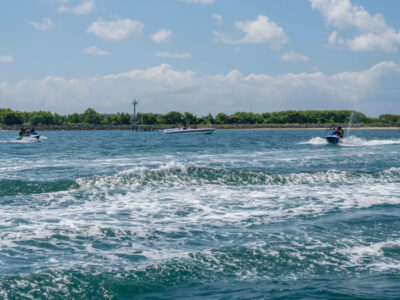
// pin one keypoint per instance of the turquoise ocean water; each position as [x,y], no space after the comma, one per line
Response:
[275,214]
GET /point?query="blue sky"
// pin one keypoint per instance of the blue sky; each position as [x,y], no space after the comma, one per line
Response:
[200,55]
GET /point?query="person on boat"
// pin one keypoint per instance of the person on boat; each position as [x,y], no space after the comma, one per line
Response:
[339,132]
[22,132]
[32,132]
[332,130]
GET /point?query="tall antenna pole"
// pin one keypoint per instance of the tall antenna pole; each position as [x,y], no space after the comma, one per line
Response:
[134,102]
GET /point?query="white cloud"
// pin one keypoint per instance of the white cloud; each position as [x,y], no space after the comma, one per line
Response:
[46,24]
[162,89]
[293,56]
[86,6]
[262,30]
[115,30]
[199,1]
[167,54]
[161,36]
[335,39]
[95,51]
[373,32]
[218,19]
[6,59]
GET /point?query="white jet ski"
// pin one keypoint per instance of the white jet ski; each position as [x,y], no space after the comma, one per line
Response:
[30,136]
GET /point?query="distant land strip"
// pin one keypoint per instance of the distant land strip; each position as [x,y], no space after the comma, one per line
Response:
[220,127]
[92,120]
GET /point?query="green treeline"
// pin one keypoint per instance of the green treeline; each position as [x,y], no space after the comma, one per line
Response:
[91,117]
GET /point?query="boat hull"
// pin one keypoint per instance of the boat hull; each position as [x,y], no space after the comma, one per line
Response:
[34,137]
[333,139]
[189,131]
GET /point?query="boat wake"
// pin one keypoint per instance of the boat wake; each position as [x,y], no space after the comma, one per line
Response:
[26,140]
[315,141]
[352,141]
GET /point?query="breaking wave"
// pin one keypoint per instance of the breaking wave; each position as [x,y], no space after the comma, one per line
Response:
[175,174]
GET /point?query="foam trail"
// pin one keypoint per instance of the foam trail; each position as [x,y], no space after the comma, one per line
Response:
[25,141]
[352,141]
[315,141]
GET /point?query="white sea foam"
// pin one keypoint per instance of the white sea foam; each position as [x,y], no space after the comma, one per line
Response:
[352,141]
[157,210]
[371,255]
[315,141]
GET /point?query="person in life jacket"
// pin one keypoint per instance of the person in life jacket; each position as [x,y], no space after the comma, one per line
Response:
[22,132]
[339,132]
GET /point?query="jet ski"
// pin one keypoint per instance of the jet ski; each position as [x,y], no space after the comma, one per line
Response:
[29,136]
[34,137]
[333,137]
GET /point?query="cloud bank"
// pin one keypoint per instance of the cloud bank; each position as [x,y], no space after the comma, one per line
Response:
[162,89]
[373,32]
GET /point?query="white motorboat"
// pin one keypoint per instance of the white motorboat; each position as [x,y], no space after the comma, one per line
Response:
[189,130]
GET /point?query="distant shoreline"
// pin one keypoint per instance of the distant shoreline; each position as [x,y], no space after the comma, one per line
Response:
[218,127]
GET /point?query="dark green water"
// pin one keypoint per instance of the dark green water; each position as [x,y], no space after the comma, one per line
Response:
[269,214]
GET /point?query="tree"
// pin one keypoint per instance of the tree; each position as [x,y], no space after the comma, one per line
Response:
[210,119]
[149,118]
[173,117]
[190,118]
[124,119]
[13,118]
[59,120]
[90,116]
[222,118]
[41,118]
[74,118]
[390,119]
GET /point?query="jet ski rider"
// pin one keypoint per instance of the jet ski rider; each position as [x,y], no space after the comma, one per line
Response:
[339,132]
[22,132]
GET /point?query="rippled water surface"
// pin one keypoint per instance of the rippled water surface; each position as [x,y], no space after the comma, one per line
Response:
[234,215]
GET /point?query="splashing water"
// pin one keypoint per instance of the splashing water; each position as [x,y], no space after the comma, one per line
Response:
[352,141]
[315,141]
[350,124]
[239,214]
